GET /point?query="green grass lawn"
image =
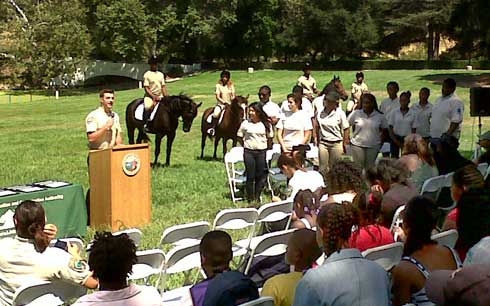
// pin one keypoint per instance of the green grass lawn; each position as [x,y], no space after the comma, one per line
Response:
[45,138]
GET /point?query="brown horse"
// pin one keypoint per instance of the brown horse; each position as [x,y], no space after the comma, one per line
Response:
[228,127]
[335,85]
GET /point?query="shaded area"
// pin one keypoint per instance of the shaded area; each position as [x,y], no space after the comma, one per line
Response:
[466,80]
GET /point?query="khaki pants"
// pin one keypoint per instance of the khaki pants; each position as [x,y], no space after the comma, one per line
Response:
[148,103]
[329,153]
[365,157]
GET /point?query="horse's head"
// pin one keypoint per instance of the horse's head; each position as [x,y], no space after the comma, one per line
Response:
[241,102]
[336,85]
[189,112]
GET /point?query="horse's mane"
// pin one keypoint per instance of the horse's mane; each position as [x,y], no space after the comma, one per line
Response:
[328,87]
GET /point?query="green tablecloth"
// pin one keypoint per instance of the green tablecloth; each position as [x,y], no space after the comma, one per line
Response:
[64,206]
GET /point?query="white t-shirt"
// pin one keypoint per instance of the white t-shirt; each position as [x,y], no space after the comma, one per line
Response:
[422,120]
[402,123]
[133,295]
[387,105]
[306,106]
[294,126]
[446,110]
[271,109]
[366,129]
[254,135]
[303,180]
[332,125]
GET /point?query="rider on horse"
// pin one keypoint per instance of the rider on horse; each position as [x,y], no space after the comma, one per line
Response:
[155,89]
[225,93]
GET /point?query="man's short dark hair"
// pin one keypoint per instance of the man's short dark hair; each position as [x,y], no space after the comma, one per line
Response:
[427,90]
[450,82]
[112,257]
[215,247]
[266,88]
[104,91]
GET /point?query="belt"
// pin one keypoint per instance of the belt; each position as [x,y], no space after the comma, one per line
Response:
[324,140]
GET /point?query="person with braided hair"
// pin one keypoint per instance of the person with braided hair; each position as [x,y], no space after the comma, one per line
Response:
[344,181]
[27,257]
[305,210]
[345,278]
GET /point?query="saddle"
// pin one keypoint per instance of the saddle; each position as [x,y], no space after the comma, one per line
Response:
[138,113]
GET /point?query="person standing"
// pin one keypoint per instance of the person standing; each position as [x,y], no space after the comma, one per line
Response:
[102,125]
[225,93]
[155,89]
[332,132]
[255,134]
[271,109]
[388,105]
[295,127]
[367,131]
[358,88]
[307,82]
[401,123]
[423,109]
[447,113]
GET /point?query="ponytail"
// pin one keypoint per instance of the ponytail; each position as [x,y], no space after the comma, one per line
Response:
[31,220]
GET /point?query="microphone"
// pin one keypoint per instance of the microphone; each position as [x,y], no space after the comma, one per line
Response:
[110,114]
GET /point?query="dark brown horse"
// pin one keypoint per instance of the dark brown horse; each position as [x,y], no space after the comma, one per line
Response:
[228,127]
[335,85]
[164,123]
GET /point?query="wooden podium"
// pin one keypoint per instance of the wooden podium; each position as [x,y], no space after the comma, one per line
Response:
[120,186]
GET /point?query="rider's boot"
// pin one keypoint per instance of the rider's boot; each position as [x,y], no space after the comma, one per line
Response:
[146,117]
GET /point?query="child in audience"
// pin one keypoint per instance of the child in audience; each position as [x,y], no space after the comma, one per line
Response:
[421,254]
[301,253]
[369,234]
[305,210]
[111,260]
[345,278]
[344,181]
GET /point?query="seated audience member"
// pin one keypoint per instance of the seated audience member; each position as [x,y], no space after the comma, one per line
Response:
[344,181]
[216,254]
[479,253]
[27,257]
[111,259]
[468,286]
[305,209]
[229,289]
[484,142]
[471,217]
[345,278]
[421,254]
[369,234]
[418,159]
[390,187]
[301,253]
[450,159]
[299,178]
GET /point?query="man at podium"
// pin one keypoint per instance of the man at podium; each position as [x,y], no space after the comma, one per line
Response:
[102,125]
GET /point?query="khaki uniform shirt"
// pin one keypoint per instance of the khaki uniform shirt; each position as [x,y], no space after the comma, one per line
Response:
[357,90]
[332,125]
[308,84]
[96,120]
[225,92]
[155,80]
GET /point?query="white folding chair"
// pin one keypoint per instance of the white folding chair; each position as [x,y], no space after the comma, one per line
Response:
[237,219]
[48,293]
[262,301]
[397,219]
[275,176]
[270,244]
[133,233]
[236,177]
[432,186]
[150,262]
[184,233]
[447,238]
[182,258]
[483,167]
[487,173]
[270,212]
[386,256]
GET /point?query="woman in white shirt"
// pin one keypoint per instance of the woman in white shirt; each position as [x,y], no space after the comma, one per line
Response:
[332,132]
[294,129]
[401,123]
[255,134]
[367,130]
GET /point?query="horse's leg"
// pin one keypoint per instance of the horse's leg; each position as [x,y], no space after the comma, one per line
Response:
[216,141]
[170,140]
[203,143]
[235,140]
[131,134]
[225,140]
[158,142]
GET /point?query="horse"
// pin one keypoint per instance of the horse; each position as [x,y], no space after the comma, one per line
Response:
[228,127]
[335,85]
[164,123]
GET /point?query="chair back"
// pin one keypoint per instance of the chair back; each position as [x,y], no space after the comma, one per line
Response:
[397,218]
[182,258]
[262,301]
[447,238]
[133,233]
[386,256]
[184,233]
[483,168]
[149,262]
[275,211]
[48,293]
[432,187]
[235,218]
[235,177]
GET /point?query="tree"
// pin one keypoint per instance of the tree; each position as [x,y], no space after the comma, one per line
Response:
[48,39]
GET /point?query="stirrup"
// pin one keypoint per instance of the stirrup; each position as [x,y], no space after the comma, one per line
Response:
[211,131]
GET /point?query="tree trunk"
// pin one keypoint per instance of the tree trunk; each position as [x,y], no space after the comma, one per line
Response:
[437,41]
[430,42]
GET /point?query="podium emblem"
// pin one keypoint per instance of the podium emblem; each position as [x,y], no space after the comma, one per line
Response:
[131,164]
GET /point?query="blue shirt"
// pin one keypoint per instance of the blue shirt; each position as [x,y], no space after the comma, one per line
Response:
[344,279]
